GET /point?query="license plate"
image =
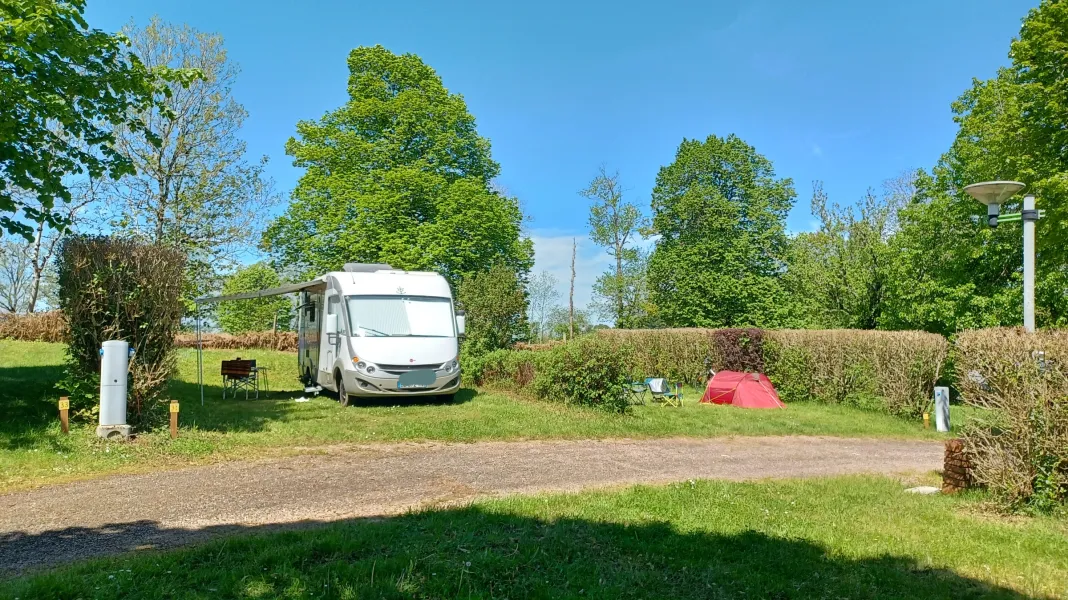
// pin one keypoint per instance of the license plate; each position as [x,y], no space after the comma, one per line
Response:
[416,380]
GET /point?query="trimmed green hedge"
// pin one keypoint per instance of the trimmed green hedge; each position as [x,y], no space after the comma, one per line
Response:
[891,371]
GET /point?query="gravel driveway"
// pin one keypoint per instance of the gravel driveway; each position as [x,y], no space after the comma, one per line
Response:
[61,523]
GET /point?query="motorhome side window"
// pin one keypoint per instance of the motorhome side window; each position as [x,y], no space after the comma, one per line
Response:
[333,307]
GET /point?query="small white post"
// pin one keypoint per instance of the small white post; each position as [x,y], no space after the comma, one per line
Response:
[941,408]
[1029,264]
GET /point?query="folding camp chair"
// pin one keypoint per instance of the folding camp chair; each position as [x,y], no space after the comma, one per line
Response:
[240,375]
[636,391]
[659,388]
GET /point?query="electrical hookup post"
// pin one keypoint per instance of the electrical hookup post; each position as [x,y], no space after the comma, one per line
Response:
[114,366]
[941,402]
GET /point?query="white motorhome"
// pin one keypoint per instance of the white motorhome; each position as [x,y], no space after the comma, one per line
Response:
[372,330]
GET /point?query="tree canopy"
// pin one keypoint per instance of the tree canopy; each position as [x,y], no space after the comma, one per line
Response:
[193,187]
[398,175]
[63,87]
[614,224]
[953,271]
[496,310]
[260,314]
[720,213]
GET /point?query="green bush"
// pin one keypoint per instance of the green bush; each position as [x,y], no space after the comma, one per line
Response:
[588,371]
[119,289]
[1019,448]
[507,368]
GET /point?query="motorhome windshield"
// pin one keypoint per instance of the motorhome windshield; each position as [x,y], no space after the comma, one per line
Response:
[401,316]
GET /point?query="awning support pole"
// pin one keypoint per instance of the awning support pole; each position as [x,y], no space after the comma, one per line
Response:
[200,358]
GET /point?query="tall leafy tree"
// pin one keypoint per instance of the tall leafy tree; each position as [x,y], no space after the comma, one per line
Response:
[193,187]
[63,88]
[261,314]
[566,324]
[950,271]
[837,276]
[720,213]
[631,286]
[614,224]
[399,175]
[955,272]
[496,308]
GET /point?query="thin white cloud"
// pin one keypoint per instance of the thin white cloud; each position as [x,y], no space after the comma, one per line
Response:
[816,150]
[552,253]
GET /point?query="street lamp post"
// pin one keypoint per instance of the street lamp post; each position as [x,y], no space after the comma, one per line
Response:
[993,194]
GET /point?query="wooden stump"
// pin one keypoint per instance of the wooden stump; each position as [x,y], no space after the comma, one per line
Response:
[957,469]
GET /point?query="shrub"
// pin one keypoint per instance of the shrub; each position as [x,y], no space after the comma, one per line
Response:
[33,327]
[892,371]
[1020,447]
[677,354]
[588,371]
[116,288]
[508,368]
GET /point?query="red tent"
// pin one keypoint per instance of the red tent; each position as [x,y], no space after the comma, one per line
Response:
[747,390]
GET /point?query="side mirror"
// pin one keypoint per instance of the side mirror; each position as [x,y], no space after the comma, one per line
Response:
[461,322]
[331,324]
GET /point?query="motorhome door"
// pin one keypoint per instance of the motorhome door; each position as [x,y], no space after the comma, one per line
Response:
[331,341]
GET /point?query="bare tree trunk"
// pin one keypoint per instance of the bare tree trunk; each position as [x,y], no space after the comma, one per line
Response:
[571,296]
[619,282]
[38,269]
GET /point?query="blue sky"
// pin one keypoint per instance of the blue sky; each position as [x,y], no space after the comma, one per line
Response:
[847,92]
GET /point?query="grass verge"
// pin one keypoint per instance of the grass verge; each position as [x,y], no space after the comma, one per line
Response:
[33,451]
[848,537]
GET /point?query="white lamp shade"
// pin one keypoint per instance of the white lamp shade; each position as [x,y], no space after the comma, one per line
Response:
[994,192]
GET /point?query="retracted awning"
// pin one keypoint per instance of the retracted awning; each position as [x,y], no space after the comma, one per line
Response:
[285,289]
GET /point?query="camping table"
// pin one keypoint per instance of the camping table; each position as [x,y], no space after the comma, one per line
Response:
[636,391]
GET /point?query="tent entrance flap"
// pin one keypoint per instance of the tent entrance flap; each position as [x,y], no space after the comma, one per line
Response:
[292,288]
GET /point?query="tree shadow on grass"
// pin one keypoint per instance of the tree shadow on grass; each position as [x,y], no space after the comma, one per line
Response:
[28,406]
[466,552]
[27,403]
[256,414]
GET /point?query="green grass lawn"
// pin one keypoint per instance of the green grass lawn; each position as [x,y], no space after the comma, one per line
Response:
[33,451]
[850,537]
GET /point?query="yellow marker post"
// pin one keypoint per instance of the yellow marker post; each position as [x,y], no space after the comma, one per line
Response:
[64,420]
[174,419]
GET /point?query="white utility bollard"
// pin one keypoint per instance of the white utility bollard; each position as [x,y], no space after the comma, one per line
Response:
[114,364]
[941,408]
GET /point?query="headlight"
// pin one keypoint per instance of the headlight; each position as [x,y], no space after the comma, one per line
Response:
[371,369]
[453,365]
[361,365]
